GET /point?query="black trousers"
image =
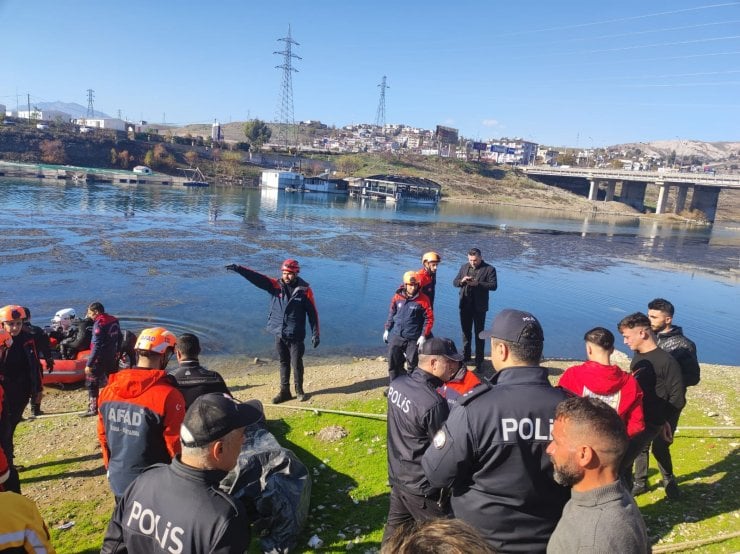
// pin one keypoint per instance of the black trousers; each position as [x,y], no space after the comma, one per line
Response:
[470,320]
[290,353]
[406,507]
[401,350]
[15,402]
[662,453]
[637,445]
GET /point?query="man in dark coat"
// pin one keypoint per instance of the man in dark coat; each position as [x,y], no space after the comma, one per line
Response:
[191,378]
[292,301]
[475,280]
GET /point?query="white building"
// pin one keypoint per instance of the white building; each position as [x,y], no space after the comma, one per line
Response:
[281,180]
[45,115]
[512,151]
[102,123]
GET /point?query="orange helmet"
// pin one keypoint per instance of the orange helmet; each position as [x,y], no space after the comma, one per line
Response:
[291,265]
[409,278]
[6,339]
[156,339]
[11,312]
[431,257]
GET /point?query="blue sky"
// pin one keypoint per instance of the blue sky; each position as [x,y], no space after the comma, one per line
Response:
[578,73]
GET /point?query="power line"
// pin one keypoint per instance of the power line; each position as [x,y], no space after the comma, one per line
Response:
[285,116]
[380,115]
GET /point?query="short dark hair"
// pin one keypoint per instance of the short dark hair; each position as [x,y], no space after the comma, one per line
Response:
[188,345]
[28,312]
[96,307]
[637,319]
[600,337]
[529,349]
[662,305]
[474,252]
[436,536]
[601,421]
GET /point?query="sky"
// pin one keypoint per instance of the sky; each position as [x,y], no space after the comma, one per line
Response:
[577,73]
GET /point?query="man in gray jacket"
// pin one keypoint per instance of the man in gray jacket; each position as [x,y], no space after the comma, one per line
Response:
[588,442]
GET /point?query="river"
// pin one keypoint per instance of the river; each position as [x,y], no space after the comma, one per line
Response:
[155,255]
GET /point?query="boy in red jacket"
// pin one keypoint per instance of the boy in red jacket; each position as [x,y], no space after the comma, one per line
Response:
[598,378]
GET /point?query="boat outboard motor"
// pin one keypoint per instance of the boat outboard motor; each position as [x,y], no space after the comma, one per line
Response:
[274,485]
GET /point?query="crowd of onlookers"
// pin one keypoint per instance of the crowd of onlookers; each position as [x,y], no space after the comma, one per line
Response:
[476,463]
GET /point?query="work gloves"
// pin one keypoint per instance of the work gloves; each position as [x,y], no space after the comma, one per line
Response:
[420,341]
[385,336]
[231,267]
[315,341]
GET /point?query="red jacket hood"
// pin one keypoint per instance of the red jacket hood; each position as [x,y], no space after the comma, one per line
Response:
[130,383]
[601,379]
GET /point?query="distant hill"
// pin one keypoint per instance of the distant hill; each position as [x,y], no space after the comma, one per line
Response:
[72,108]
[707,151]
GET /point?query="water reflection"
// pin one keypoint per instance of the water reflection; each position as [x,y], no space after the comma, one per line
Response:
[156,254]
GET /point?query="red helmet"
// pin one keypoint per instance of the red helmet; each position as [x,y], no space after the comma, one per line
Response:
[291,265]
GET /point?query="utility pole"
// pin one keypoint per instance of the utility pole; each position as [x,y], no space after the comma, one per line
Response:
[285,116]
[90,108]
[380,114]
[28,98]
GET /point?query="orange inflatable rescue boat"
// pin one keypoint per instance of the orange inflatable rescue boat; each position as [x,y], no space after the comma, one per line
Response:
[66,372]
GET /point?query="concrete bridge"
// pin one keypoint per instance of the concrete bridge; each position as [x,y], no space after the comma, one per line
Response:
[705,187]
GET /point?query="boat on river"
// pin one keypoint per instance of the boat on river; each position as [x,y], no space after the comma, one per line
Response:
[194,177]
[66,372]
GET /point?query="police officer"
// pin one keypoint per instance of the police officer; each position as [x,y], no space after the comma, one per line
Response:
[492,448]
[179,507]
[415,413]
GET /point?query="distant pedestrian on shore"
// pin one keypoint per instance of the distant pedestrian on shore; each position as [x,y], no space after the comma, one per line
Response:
[476,279]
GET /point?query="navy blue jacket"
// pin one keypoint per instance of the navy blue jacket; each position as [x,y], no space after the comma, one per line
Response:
[289,306]
[491,451]
[177,508]
[106,333]
[410,317]
[415,413]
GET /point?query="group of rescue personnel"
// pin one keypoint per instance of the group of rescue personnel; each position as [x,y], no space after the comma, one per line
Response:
[460,444]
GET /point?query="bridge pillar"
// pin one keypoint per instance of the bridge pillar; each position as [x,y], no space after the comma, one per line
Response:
[593,189]
[681,192]
[705,200]
[610,186]
[633,194]
[663,190]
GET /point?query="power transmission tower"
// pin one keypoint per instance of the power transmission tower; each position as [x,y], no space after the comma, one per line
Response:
[285,117]
[380,115]
[90,109]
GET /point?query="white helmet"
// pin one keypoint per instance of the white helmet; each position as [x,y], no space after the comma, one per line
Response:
[63,318]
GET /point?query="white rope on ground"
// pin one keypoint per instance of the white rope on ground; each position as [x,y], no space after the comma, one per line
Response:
[693,544]
[384,417]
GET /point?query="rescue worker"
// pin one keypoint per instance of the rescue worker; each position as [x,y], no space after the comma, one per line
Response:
[292,301]
[427,275]
[22,529]
[61,328]
[21,376]
[78,341]
[191,378]
[6,342]
[409,324]
[185,494]
[103,354]
[140,412]
[476,279]
[43,348]
[492,449]
[415,413]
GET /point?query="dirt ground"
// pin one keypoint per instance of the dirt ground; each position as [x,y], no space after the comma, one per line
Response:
[61,434]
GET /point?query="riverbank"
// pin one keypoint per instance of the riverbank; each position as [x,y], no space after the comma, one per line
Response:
[63,470]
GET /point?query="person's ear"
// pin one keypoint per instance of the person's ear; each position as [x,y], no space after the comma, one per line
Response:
[585,455]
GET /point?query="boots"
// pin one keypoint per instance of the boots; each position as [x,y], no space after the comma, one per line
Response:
[36,409]
[282,396]
[92,407]
[300,395]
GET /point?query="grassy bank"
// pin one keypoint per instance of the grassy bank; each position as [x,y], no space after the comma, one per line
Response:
[63,470]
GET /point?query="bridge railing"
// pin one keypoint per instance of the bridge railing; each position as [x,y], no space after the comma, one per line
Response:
[731,181]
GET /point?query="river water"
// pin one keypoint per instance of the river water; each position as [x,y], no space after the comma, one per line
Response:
[155,255]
